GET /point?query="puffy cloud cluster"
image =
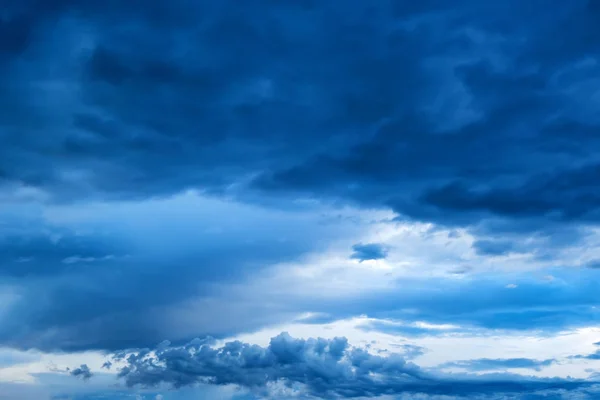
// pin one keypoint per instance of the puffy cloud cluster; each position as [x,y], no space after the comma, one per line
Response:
[324,368]
[83,371]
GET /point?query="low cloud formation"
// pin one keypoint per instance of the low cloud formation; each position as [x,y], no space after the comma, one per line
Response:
[82,372]
[324,368]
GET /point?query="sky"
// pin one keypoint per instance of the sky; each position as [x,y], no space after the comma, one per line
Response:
[271,199]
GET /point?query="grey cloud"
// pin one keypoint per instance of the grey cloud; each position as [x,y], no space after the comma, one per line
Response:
[82,371]
[323,368]
[309,98]
[472,115]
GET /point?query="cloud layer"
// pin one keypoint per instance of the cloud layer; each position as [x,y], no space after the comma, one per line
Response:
[178,168]
[443,114]
[320,367]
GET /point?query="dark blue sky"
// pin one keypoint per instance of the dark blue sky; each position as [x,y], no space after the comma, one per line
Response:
[423,172]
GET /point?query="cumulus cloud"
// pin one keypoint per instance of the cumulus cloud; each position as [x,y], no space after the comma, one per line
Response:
[324,368]
[83,371]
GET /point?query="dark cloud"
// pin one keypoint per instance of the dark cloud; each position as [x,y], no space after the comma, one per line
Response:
[477,115]
[82,371]
[369,251]
[324,368]
[487,364]
[444,114]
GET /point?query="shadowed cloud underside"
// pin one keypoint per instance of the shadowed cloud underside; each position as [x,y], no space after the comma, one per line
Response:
[420,174]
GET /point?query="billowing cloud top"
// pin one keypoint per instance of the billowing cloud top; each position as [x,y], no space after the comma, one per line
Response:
[418,173]
[322,368]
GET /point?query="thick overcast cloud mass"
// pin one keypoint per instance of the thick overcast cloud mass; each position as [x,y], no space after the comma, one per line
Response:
[414,182]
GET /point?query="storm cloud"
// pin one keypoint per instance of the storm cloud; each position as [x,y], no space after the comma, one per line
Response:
[179,168]
[437,112]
